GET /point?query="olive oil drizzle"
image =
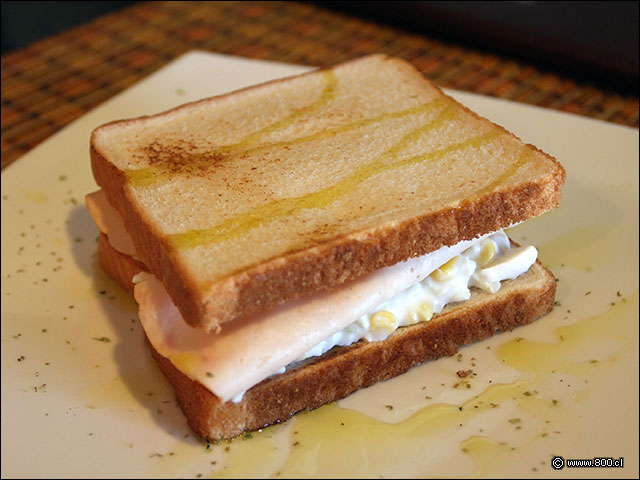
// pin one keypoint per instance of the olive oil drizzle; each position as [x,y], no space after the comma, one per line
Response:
[159,173]
[239,225]
[511,170]
[327,95]
[422,108]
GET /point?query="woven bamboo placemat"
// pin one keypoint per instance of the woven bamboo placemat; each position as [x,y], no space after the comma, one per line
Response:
[52,82]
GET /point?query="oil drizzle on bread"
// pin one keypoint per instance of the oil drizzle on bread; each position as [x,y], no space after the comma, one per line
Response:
[239,225]
[511,170]
[331,132]
[183,160]
[328,94]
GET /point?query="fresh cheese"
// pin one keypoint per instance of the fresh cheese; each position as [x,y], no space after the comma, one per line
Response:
[253,348]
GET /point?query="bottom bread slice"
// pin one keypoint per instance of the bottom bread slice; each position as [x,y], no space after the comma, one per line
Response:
[344,370]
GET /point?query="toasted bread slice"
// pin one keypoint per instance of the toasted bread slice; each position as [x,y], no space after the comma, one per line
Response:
[343,370]
[246,200]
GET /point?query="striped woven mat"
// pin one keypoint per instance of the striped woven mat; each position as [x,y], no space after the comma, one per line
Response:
[52,82]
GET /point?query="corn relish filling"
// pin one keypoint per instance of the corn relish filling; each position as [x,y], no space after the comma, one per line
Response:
[483,265]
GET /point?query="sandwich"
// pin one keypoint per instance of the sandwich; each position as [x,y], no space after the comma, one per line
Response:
[295,241]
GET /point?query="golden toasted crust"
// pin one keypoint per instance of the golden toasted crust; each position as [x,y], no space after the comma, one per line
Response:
[329,261]
[122,268]
[344,370]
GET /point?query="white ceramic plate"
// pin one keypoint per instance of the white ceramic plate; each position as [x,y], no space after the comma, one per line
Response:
[82,397]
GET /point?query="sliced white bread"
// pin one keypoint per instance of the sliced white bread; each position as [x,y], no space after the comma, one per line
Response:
[343,370]
[253,198]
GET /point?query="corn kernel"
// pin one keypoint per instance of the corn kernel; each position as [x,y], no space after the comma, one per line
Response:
[384,320]
[487,252]
[445,271]
[424,312]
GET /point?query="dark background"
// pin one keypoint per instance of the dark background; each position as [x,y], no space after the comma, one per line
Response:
[26,22]
[593,41]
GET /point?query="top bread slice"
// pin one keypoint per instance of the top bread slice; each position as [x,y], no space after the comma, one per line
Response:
[246,200]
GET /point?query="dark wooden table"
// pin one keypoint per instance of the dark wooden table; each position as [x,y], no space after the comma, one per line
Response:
[54,81]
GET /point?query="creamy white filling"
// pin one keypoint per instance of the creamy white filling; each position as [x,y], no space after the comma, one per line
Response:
[472,268]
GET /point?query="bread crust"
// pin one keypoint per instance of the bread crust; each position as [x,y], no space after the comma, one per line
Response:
[323,265]
[344,370]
